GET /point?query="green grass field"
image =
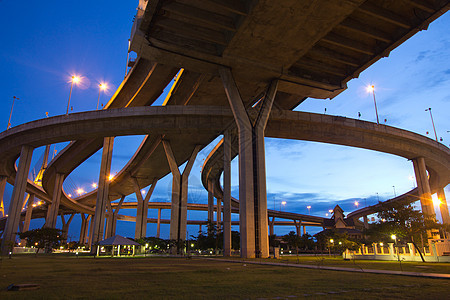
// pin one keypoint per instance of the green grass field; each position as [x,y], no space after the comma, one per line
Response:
[180,278]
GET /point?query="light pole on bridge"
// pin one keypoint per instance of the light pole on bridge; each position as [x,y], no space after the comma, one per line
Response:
[10,115]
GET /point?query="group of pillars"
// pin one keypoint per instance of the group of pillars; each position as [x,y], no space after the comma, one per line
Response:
[252,184]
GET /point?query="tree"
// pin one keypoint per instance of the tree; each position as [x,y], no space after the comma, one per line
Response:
[403,221]
[43,238]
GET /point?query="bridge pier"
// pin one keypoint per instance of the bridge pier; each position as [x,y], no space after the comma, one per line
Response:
[15,206]
[158,223]
[53,208]
[83,229]
[26,223]
[112,219]
[178,214]
[142,208]
[252,173]
[65,227]
[443,207]
[227,193]
[98,222]
[2,191]
[210,203]
[423,186]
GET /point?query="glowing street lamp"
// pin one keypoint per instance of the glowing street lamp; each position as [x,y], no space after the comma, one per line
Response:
[371,89]
[94,185]
[10,115]
[282,203]
[80,191]
[75,79]
[432,121]
[395,194]
[101,87]
[309,209]
[436,200]
[356,204]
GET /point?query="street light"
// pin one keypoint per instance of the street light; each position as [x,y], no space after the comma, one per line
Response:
[356,204]
[101,87]
[371,89]
[395,194]
[432,121]
[75,79]
[309,209]
[283,203]
[10,115]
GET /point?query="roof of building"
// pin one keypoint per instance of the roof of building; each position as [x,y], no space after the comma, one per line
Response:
[118,240]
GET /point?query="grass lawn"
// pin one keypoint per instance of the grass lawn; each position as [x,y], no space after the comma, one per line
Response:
[181,278]
[367,264]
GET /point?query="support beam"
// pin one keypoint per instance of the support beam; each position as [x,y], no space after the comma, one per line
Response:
[53,209]
[219,214]
[142,208]
[108,219]
[65,228]
[178,217]
[83,229]
[226,194]
[210,202]
[2,192]
[297,227]
[114,217]
[423,186]
[158,224]
[26,224]
[252,173]
[15,206]
[443,206]
[102,193]
[271,226]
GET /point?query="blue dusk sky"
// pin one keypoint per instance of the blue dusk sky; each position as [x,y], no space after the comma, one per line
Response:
[45,42]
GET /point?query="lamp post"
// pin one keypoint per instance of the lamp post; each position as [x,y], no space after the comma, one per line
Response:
[395,194]
[432,121]
[10,115]
[75,79]
[309,209]
[101,87]
[371,88]
[282,203]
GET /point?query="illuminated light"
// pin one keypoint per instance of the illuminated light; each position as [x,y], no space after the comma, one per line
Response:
[326,215]
[308,207]
[39,203]
[143,192]
[436,200]
[94,185]
[331,241]
[383,220]
[284,202]
[35,244]
[110,177]
[340,243]
[103,86]
[76,79]
[393,237]
[356,203]
[290,251]
[80,191]
[70,195]
[146,245]
[381,244]
[34,205]
[330,211]
[370,88]
[192,245]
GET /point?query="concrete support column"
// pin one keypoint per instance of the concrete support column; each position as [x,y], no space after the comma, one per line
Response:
[252,178]
[53,209]
[83,229]
[210,202]
[158,223]
[219,214]
[366,222]
[98,225]
[423,186]
[26,224]
[391,248]
[226,194]
[2,191]
[443,206]
[114,217]
[142,208]
[297,227]
[375,250]
[178,217]
[412,250]
[15,206]
[271,226]
[108,219]
[89,230]
[65,227]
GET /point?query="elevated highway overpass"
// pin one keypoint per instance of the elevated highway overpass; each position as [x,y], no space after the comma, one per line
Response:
[231,53]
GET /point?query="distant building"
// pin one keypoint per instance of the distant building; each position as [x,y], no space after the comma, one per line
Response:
[338,223]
